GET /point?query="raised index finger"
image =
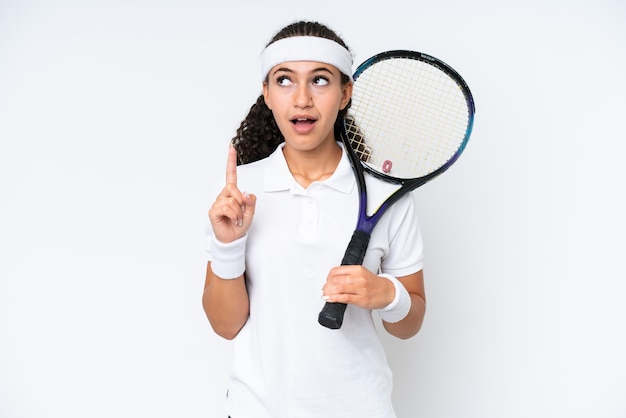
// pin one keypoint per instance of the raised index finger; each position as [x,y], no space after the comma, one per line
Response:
[231,166]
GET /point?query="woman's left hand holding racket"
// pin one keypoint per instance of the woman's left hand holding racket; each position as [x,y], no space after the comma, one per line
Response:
[232,212]
[356,285]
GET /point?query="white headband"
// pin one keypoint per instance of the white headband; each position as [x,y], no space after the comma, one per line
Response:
[306,48]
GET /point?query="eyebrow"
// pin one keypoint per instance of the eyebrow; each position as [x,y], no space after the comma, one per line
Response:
[289,70]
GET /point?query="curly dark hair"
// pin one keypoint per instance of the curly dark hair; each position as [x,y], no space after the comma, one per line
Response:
[258,134]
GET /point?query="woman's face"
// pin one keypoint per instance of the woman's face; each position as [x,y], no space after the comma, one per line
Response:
[305,97]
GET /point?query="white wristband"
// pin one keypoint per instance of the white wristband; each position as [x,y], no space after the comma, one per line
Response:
[399,308]
[228,261]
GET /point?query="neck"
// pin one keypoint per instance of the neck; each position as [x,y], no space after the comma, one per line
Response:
[311,166]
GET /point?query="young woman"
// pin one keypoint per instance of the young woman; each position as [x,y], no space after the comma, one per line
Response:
[278,231]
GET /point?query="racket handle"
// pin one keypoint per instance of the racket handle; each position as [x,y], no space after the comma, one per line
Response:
[332,313]
[355,253]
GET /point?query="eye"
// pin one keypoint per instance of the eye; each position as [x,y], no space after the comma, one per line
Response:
[283,80]
[320,80]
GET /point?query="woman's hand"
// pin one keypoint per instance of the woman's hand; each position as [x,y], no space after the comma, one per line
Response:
[232,212]
[358,286]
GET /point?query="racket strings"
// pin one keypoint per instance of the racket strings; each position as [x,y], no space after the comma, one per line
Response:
[408,113]
[357,140]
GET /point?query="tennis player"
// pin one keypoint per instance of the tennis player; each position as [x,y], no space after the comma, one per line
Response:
[277,233]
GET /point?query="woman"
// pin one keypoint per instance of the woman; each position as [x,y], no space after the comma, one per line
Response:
[279,229]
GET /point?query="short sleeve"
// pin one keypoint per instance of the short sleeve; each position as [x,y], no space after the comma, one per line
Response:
[406,247]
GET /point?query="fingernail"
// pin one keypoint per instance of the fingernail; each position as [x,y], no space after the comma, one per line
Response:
[324,297]
[246,195]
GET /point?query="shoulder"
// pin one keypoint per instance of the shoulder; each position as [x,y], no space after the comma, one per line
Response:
[250,176]
[257,165]
[252,168]
[379,190]
[253,176]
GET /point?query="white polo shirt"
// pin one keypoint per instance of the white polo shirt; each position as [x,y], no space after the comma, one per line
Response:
[286,365]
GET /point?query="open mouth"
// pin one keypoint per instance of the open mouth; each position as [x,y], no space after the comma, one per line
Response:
[303,121]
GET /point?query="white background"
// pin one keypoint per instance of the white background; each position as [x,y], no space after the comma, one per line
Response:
[114,122]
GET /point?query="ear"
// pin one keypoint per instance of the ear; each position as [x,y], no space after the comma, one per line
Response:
[266,95]
[346,95]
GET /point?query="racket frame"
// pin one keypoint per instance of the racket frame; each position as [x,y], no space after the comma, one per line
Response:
[332,313]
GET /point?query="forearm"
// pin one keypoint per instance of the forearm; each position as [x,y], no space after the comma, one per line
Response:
[226,304]
[412,323]
[413,287]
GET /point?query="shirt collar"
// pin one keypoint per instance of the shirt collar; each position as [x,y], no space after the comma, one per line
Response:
[279,178]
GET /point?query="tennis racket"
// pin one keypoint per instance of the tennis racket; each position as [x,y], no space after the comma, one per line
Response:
[410,120]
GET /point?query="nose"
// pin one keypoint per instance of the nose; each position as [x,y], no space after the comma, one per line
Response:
[302,96]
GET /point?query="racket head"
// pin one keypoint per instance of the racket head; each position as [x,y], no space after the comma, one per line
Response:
[411,116]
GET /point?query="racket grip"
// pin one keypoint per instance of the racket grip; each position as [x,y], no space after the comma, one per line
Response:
[332,313]
[355,253]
